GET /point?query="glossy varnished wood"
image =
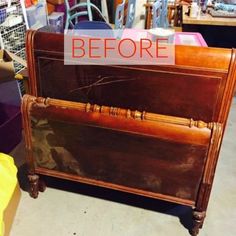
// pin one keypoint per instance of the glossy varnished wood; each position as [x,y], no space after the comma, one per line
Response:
[195,87]
[149,130]
[128,152]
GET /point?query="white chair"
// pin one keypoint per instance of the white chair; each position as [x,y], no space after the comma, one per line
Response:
[160,14]
[79,10]
[130,14]
[119,17]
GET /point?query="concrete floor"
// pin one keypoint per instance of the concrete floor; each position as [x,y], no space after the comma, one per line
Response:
[67,208]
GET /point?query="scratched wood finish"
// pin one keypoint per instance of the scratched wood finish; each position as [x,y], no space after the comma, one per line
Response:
[199,86]
[166,108]
[66,137]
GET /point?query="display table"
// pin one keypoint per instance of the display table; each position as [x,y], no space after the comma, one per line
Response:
[207,19]
[217,31]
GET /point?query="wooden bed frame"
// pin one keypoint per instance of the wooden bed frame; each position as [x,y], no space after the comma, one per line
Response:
[155,131]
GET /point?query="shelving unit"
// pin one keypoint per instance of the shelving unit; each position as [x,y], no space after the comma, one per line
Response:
[12,38]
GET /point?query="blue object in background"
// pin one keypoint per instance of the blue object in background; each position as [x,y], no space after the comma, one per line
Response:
[160,11]
[164,12]
[119,17]
[156,16]
[83,9]
[92,25]
[130,14]
[225,7]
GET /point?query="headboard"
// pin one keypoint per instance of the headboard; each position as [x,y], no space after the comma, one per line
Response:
[199,86]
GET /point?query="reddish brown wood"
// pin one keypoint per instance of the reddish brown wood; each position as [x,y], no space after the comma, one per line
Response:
[155,131]
[198,219]
[197,87]
[162,138]
[148,20]
[90,181]
[34,185]
[167,147]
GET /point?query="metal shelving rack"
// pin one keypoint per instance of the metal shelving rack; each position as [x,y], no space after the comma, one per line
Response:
[13,38]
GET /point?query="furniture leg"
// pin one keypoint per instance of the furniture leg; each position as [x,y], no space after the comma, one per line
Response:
[42,185]
[34,185]
[198,219]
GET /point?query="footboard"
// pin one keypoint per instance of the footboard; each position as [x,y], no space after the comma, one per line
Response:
[144,153]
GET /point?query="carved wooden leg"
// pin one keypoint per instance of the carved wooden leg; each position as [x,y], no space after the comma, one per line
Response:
[198,219]
[42,185]
[34,185]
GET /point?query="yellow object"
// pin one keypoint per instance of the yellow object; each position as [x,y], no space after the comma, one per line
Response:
[35,2]
[8,183]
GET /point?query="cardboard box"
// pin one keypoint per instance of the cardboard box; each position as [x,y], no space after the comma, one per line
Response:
[7,71]
[10,126]
[10,99]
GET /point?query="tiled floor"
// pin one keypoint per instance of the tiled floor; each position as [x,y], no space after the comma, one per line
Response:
[74,209]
